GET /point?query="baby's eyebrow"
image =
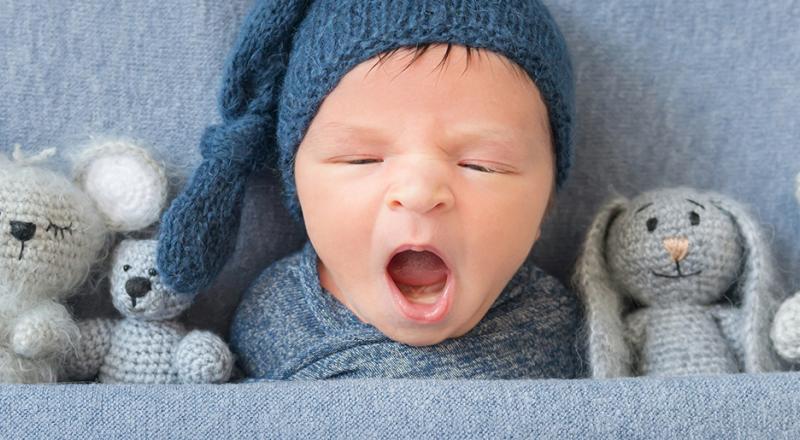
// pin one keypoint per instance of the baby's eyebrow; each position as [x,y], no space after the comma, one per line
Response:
[500,137]
[349,131]
[478,132]
[352,128]
[332,135]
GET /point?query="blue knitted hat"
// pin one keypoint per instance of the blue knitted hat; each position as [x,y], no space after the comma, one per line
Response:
[289,55]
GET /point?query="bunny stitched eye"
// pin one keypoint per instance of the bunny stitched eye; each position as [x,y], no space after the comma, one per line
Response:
[126,267]
[651,224]
[152,272]
[694,218]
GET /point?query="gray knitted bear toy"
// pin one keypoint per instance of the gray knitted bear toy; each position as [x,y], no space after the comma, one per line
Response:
[786,326]
[53,229]
[676,282]
[148,345]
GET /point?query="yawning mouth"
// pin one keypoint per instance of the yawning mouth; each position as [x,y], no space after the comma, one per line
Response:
[421,282]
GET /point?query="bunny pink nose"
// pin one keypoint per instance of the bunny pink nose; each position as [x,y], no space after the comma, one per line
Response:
[678,247]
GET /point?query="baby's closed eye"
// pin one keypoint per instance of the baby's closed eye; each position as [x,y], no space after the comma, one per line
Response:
[472,166]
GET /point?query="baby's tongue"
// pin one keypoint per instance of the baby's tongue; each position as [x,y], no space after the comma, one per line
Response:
[417,268]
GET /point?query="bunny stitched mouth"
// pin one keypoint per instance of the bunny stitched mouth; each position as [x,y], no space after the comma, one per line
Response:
[679,275]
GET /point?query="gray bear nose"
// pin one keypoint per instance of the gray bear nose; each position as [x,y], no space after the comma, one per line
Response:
[22,231]
[137,287]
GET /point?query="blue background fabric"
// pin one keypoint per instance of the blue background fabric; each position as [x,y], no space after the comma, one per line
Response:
[727,407]
[671,92]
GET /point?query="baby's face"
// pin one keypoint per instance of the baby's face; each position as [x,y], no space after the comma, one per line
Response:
[452,165]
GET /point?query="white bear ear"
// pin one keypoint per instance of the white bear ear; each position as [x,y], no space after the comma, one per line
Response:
[127,185]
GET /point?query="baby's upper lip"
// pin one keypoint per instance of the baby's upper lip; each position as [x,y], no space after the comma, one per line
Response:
[419,247]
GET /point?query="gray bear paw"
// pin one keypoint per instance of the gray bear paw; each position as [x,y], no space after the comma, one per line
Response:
[203,357]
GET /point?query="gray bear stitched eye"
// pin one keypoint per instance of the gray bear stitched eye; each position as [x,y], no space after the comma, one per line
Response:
[126,267]
[694,218]
[651,224]
[152,272]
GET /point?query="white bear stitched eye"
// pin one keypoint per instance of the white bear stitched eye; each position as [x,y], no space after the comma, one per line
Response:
[152,272]
[56,229]
[126,267]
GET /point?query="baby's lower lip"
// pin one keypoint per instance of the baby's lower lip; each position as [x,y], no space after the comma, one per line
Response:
[423,311]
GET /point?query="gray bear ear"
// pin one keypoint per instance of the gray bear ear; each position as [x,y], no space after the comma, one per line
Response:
[758,289]
[608,352]
[126,184]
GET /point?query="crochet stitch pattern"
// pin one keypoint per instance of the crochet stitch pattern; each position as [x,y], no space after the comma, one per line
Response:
[785,332]
[677,282]
[148,345]
[53,232]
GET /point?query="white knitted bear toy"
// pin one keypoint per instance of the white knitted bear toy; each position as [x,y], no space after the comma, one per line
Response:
[786,326]
[147,345]
[52,231]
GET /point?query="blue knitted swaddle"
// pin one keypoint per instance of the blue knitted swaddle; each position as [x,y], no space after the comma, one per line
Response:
[288,327]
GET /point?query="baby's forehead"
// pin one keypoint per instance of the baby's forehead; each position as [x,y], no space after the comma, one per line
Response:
[466,129]
[436,99]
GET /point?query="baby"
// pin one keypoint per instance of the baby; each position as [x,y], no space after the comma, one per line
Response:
[421,143]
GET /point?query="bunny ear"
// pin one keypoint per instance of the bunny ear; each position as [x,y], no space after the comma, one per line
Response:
[758,289]
[609,355]
[797,193]
[127,185]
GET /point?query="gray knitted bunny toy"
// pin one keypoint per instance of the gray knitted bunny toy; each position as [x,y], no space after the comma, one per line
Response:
[786,326]
[677,281]
[53,229]
[147,345]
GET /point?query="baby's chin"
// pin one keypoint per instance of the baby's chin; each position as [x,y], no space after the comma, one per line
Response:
[417,336]
[408,332]
[451,317]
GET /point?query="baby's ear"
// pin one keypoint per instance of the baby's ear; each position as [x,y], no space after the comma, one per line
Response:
[127,185]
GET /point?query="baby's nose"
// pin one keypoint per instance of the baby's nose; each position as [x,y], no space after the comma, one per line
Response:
[421,190]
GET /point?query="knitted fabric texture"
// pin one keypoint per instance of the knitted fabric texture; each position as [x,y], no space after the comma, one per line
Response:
[677,282]
[288,327]
[52,232]
[290,55]
[146,346]
[785,331]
